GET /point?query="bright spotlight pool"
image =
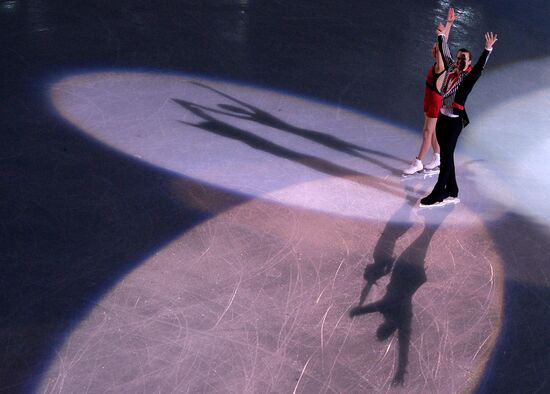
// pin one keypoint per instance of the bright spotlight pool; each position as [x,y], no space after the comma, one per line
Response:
[514,141]
[251,141]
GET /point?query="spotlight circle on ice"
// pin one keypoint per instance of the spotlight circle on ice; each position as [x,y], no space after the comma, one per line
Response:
[260,294]
[512,142]
[249,140]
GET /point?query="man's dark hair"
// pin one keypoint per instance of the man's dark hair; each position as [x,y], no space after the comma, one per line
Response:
[466,51]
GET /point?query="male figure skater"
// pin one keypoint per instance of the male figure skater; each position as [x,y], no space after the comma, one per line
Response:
[458,84]
[432,105]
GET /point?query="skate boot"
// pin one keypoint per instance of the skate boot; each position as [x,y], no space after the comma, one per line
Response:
[432,200]
[416,166]
[433,165]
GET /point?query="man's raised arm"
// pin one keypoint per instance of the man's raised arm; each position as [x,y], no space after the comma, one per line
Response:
[443,46]
[490,39]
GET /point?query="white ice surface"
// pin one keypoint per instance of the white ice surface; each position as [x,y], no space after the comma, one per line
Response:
[294,151]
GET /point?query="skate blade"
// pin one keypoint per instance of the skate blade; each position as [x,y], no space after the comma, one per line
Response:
[420,174]
[437,204]
[440,204]
[415,175]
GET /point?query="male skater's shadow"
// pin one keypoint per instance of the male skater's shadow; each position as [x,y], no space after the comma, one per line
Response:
[407,276]
[249,112]
[216,126]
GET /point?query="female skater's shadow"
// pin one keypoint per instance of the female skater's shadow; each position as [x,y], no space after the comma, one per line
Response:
[245,111]
[407,275]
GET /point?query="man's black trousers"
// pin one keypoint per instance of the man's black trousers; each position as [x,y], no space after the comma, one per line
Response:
[447,130]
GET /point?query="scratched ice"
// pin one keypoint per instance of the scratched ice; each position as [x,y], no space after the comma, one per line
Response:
[257,298]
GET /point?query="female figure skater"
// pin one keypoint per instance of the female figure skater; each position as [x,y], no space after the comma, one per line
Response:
[432,104]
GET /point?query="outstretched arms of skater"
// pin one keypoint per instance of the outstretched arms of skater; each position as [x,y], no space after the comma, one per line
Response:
[490,39]
[440,63]
[470,80]
[443,46]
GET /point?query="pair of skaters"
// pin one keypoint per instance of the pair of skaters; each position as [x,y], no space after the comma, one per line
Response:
[432,104]
[448,85]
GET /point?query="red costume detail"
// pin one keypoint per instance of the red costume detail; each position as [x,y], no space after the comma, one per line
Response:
[432,97]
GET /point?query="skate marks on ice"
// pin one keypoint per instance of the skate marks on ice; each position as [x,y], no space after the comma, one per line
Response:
[257,300]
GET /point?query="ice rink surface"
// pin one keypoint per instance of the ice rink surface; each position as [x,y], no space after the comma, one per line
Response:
[196,195]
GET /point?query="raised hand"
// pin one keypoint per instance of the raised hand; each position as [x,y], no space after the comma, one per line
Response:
[490,39]
[451,15]
[440,29]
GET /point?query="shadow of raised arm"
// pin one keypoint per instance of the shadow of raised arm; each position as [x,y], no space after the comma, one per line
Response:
[255,114]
